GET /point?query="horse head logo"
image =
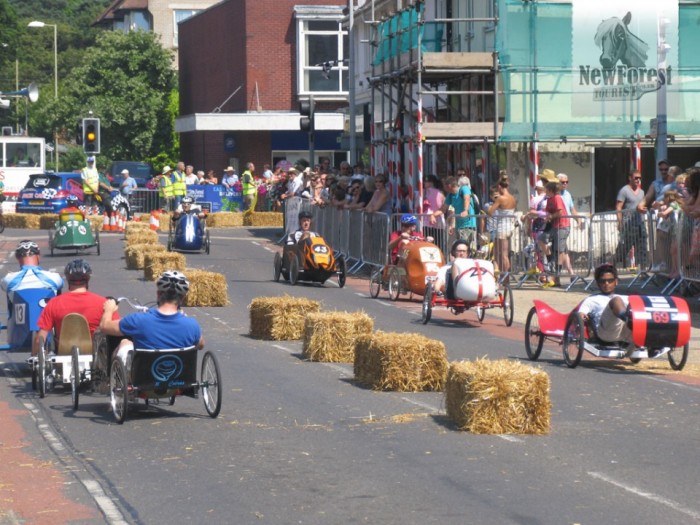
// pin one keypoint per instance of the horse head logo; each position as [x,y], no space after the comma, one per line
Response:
[619,44]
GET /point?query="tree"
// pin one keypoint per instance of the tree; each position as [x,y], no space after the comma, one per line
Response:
[127,81]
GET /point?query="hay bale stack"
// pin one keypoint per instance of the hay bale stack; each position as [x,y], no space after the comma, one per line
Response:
[225,219]
[330,337]
[47,221]
[206,288]
[155,263]
[96,221]
[264,218]
[137,227]
[498,397]
[27,221]
[135,254]
[402,362]
[280,318]
[141,237]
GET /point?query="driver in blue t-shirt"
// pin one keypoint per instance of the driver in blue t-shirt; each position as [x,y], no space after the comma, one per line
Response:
[164,326]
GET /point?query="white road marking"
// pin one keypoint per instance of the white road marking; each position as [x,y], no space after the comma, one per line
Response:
[647,495]
[510,438]
[288,350]
[433,409]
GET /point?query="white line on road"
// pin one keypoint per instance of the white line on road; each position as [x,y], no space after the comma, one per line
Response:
[647,495]
[288,350]
[427,406]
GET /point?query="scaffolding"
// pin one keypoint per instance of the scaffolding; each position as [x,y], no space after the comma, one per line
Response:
[435,94]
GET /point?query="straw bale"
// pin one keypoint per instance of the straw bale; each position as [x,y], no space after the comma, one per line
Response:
[225,219]
[330,336]
[135,254]
[498,397]
[263,218]
[29,221]
[141,237]
[155,263]
[96,221]
[402,362]
[136,227]
[47,221]
[280,318]
[206,288]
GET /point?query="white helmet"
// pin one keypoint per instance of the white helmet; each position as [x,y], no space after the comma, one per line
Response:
[173,281]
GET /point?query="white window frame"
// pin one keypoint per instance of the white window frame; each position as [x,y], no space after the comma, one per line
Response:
[192,12]
[339,64]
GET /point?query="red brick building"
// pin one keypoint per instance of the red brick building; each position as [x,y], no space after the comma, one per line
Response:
[244,67]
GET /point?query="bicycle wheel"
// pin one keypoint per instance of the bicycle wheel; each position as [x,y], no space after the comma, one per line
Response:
[508,306]
[75,376]
[375,283]
[41,369]
[342,271]
[480,313]
[293,271]
[427,310]
[277,267]
[534,340]
[678,356]
[211,384]
[573,340]
[394,284]
[118,391]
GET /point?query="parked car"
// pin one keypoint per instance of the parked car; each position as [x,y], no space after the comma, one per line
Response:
[47,192]
[140,171]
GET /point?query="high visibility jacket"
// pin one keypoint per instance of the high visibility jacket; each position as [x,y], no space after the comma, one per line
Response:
[179,185]
[248,183]
[165,188]
[91,180]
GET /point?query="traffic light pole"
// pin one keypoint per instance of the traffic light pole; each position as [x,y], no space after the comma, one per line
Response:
[312,152]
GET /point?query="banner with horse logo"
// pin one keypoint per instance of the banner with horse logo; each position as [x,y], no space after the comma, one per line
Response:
[616,68]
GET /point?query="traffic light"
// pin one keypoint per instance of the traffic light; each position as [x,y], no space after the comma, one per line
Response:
[91,135]
[306,109]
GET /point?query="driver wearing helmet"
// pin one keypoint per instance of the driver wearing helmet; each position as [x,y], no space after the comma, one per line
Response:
[30,275]
[78,300]
[304,231]
[163,326]
[71,212]
[187,207]
[399,239]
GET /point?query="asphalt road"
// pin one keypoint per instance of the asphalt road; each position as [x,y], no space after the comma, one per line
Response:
[301,442]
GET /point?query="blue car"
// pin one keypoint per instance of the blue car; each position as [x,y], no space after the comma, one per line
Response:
[47,192]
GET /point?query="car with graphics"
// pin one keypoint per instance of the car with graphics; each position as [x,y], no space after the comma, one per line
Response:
[47,192]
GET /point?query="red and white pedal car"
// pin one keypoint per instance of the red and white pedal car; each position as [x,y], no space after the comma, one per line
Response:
[660,326]
[474,286]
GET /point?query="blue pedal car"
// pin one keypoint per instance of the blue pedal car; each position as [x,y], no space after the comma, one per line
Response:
[189,234]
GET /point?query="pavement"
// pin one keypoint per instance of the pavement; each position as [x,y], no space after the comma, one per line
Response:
[563,301]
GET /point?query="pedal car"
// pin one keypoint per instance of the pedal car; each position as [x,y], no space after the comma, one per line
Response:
[660,326]
[152,375]
[73,232]
[189,234]
[23,315]
[70,364]
[474,286]
[312,260]
[418,262]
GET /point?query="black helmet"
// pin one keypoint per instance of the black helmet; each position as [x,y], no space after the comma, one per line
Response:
[78,270]
[173,281]
[26,248]
[305,214]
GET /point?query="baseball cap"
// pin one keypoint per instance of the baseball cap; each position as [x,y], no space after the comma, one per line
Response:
[91,159]
[125,172]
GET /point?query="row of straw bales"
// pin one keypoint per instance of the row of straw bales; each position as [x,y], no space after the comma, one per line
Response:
[483,397]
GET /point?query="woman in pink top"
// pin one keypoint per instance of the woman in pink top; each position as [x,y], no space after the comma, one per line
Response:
[433,200]
[556,231]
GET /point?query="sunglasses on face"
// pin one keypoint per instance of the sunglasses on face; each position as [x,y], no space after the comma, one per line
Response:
[565,182]
[637,178]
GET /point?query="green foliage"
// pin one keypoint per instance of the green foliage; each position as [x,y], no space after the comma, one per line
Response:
[74,159]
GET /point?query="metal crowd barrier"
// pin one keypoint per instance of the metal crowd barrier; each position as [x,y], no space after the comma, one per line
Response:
[143,200]
[688,254]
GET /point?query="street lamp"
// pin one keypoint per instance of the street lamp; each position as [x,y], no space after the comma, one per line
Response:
[37,23]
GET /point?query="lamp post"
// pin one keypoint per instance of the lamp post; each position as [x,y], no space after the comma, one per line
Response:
[37,23]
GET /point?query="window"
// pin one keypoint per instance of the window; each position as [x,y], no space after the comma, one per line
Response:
[137,21]
[180,15]
[322,45]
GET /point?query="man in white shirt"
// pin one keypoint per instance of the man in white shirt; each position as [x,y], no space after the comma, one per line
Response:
[190,176]
[607,311]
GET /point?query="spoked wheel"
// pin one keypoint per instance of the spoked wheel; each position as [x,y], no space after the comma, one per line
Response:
[118,391]
[342,270]
[171,400]
[394,284]
[211,384]
[52,233]
[534,340]
[480,313]
[508,307]
[278,267]
[678,356]
[207,243]
[375,283]
[75,376]
[97,241]
[427,310]
[293,270]
[41,368]
[573,340]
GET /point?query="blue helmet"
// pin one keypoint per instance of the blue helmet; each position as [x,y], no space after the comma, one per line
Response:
[72,199]
[407,218]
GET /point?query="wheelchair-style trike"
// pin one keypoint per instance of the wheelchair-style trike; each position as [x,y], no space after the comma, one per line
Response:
[660,326]
[473,286]
[188,233]
[23,316]
[309,260]
[418,261]
[74,233]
